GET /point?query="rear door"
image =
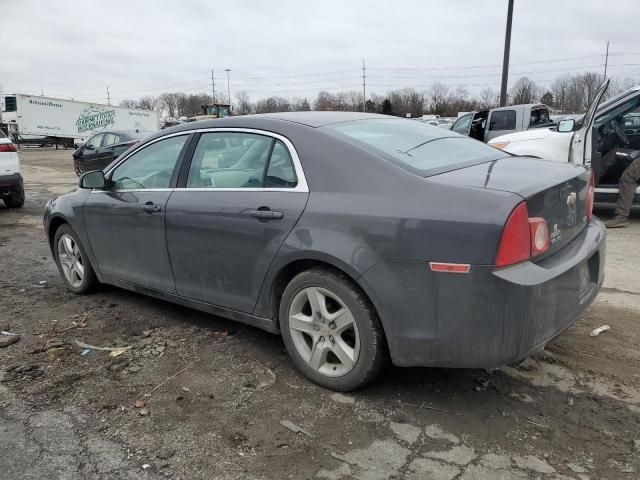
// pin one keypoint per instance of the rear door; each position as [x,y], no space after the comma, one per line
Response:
[581,143]
[241,195]
[501,122]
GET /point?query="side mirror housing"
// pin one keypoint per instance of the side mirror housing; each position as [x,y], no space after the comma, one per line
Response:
[93,180]
[566,125]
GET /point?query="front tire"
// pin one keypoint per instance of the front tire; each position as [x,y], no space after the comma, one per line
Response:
[74,266]
[331,331]
[78,166]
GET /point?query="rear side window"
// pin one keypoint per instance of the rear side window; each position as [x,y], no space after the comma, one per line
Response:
[503,120]
[240,160]
[415,146]
[110,139]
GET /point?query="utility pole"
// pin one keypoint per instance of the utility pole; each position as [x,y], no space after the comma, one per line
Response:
[606,61]
[505,59]
[228,88]
[213,88]
[108,96]
[364,87]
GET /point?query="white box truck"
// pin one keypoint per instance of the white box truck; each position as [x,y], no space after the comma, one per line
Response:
[67,122]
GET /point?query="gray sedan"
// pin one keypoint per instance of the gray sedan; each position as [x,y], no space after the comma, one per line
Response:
[358,238]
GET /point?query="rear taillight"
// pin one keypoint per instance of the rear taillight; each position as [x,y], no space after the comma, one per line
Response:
[515,242]
[539,232]
[8,147]
[590,196]
[522,238]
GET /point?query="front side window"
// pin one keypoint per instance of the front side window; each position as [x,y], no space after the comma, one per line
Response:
[503,120]
[150,167]
[240,160]
[94,142]
[414,146]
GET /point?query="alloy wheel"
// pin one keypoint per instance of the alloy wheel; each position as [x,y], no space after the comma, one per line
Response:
[71,261]
[324,331]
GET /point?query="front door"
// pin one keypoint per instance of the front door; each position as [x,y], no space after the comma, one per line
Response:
[581,143]
[125,224]
[91,151]
[243,194]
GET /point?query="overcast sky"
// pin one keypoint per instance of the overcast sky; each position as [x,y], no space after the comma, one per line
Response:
[294,48]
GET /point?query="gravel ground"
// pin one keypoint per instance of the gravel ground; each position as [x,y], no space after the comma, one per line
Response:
[200,397]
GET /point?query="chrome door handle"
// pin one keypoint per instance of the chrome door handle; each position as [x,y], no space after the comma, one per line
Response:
[151,208]
[266,214]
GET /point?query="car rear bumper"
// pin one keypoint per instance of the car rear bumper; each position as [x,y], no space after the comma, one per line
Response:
[10,184]
[487,317]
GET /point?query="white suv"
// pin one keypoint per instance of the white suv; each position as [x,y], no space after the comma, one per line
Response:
[11,185]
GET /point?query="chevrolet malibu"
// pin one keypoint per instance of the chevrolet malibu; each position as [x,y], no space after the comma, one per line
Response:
[357,237]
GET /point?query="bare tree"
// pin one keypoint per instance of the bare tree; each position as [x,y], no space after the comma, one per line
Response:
[170,103]
[489,98]
[524,90]
[244,103]
[324,101]
[437,94]
[129,103]
[148,102]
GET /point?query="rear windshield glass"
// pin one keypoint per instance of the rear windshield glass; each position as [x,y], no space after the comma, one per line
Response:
[415,146]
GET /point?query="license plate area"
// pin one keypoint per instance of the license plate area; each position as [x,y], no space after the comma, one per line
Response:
[588,276]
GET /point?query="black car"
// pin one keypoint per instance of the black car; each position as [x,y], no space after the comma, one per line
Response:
[103,148]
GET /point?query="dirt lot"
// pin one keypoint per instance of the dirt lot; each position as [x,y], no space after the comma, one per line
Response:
[215,391]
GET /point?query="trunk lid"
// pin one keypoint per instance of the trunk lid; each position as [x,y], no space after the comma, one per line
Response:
[554,191]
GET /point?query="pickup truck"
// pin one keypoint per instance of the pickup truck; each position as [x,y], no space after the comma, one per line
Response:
[485,125]
[613,125]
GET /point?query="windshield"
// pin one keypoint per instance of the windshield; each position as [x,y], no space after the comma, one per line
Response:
[416,146]
[2,135]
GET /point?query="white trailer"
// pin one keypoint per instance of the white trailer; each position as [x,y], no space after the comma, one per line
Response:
[67,122]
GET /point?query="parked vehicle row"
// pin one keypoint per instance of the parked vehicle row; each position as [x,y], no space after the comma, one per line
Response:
[487,124]
[357,237]
[605,139]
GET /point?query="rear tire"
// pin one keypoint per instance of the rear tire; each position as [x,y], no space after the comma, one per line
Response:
[331,331]
[73,264]
[15,200]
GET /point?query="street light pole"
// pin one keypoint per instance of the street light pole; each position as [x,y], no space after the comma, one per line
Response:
[228,88]
[505,60]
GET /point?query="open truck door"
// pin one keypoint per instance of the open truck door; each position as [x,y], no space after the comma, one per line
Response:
[581,143]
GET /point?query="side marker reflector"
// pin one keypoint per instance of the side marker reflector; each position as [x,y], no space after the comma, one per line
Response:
[450,267]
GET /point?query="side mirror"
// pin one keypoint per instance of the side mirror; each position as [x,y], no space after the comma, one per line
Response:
[93,180]
[566,125]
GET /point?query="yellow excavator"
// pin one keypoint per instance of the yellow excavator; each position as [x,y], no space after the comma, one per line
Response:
[215,110]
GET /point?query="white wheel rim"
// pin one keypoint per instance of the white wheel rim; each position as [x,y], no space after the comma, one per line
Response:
[70,260]
[324,331]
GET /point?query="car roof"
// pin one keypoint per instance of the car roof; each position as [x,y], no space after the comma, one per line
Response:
[312,119]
